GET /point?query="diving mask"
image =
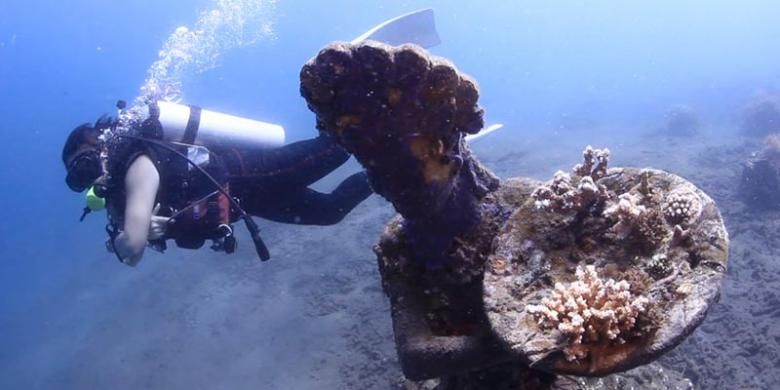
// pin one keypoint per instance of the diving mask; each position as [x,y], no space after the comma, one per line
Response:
[84,170]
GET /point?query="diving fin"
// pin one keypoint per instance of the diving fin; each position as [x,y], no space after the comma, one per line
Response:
[416,27]
[473,137]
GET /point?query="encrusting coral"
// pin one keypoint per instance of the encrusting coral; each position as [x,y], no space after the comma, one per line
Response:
[591,310]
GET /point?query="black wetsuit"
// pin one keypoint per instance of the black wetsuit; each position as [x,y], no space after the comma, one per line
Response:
[273,183]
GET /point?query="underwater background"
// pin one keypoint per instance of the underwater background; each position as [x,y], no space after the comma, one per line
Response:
[558,74]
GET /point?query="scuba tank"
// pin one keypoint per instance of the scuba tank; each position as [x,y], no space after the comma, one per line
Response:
[194,125]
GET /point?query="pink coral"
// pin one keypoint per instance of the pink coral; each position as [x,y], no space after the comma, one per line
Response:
[590,310]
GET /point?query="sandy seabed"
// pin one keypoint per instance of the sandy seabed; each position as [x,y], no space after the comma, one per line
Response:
[314,317]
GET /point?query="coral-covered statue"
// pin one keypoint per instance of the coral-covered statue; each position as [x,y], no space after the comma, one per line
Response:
[597,271]
[404,114]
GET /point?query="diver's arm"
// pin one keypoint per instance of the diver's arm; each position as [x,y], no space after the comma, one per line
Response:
[141,184]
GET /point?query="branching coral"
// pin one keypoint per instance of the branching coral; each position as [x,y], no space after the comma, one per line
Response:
[636,219]
[628,212]
[591,310]
[581,198]
[563,195]
[594,164]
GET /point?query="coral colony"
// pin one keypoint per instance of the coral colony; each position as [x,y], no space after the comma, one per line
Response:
[589,310]
[628,213]
[601,264]
[563,194]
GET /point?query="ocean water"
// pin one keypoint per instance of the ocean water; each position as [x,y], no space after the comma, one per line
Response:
[558,74]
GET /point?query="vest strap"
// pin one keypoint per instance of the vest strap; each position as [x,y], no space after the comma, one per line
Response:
[193,123]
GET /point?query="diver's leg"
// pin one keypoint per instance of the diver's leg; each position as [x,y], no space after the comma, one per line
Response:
[308,207]
[296,165]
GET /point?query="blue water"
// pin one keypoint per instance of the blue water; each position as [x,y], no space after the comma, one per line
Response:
[541,66]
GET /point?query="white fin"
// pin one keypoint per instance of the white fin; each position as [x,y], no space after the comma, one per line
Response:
[416,27]
[473,137]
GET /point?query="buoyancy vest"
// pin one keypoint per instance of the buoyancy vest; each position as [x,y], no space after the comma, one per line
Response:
[197,210]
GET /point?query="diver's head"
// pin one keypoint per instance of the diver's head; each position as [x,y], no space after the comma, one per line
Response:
[81,156]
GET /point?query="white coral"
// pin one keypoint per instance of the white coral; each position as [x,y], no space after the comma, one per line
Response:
[682,206]
[628,212]
[559,194]
[565,192]
[588,186]
[589,310]
[594,163]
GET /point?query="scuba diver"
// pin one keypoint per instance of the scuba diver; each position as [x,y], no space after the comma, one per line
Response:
[165,171]
[157,183]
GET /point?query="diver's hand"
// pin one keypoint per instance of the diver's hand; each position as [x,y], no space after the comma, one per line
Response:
[130,252]
[158,225]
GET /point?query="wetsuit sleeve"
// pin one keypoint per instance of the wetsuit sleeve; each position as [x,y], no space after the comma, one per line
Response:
[308,207]
[141,184]
[296,165]
[273,184]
